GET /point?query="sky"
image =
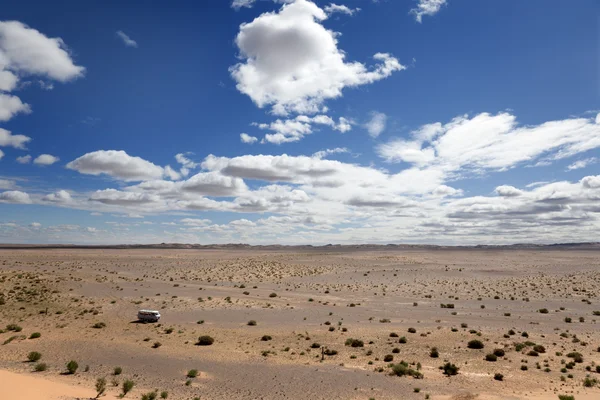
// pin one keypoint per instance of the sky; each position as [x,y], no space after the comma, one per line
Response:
[300,122]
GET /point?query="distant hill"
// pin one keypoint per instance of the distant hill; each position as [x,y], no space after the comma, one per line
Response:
[328,247]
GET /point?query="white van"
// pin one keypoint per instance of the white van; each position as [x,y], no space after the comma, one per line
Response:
[148,315]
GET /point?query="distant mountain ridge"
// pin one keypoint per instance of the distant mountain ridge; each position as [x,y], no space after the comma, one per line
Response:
[327,247]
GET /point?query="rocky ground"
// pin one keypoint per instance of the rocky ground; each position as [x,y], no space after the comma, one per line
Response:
[283,322]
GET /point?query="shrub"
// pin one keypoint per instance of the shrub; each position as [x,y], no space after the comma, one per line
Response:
[539,348]
[402,340]
[330,352]
[434,353]
[402,369]
[543,311]
[156,345]
[565,397]
[164,394]
[589,382]
[117,371]
[395,350]
[491,357]
[388,358]
[34,356]
[568,320]
[412,330]
[127,386]
[524,368]
[40,367]
[266,338]
[14,328]
[475,344]
[72,367]
[252,322]
[499,352]
[577,357]
[100,387]
[393,334]
[449,369]
[315,346]
[354,342]
[498,377]
[99,325]
[192,373]
[205,340]
[200,322]
[533,353]
[273,295]
[150,395]
[35,335]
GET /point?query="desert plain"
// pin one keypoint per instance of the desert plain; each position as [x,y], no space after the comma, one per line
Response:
[354,323]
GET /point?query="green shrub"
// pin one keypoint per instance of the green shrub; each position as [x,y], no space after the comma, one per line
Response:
[40,367]
[273,295]
[412,330]
[126,387]
[13,328]
[491,357]
[117,371]
[402,340]
[449,369]
[35,335]
[192,373]
[150,395]
[100,387]
[34,356]
[402,369]
[475,344]
[164,394]
[388,358]
[565,397]
[156,345]
[498,377]
[266,338]
[499,352]
[539,348]
[99,325]
[252,322]
[434,353]
[205,340]
[354,342]
[72,367]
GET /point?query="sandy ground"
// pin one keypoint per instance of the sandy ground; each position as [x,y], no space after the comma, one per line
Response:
[84,302]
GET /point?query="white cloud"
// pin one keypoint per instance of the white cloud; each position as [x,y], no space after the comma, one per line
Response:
[245,138]
[292,62]
[237,4]
[336,8]
[15,196]
[427,7]
[29,52]
[591,182]
[195,222]
[45,159]
[16,141]
[23,159]
[59,197]
[582,163]
[508,191]
[293,130]
[7,184]
[213,184]
[326,152]
[443,191]
[1,154]
[492,142]
[35,225]
[116,197]
[377,124]
[117,164]
[171,173]
[11,106]
[127,41]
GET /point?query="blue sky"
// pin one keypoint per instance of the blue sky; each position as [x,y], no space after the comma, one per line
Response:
[425,121]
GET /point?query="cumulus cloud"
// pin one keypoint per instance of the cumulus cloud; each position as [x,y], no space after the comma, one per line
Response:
[377,124]
[245,138]
[293,130]
[60,197]
[127,41]
[117,164]
[491,142]
[45,159]
[116,197]
[508,191]
[237,4]
[213,184]
[292,62]
[16,141]
[444,190]
[7,184]
[25,51]
[23,159]
[582,163]
[336,8]
[11,106]
[326,152]
[15,196]
[427,7]
[591,182]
